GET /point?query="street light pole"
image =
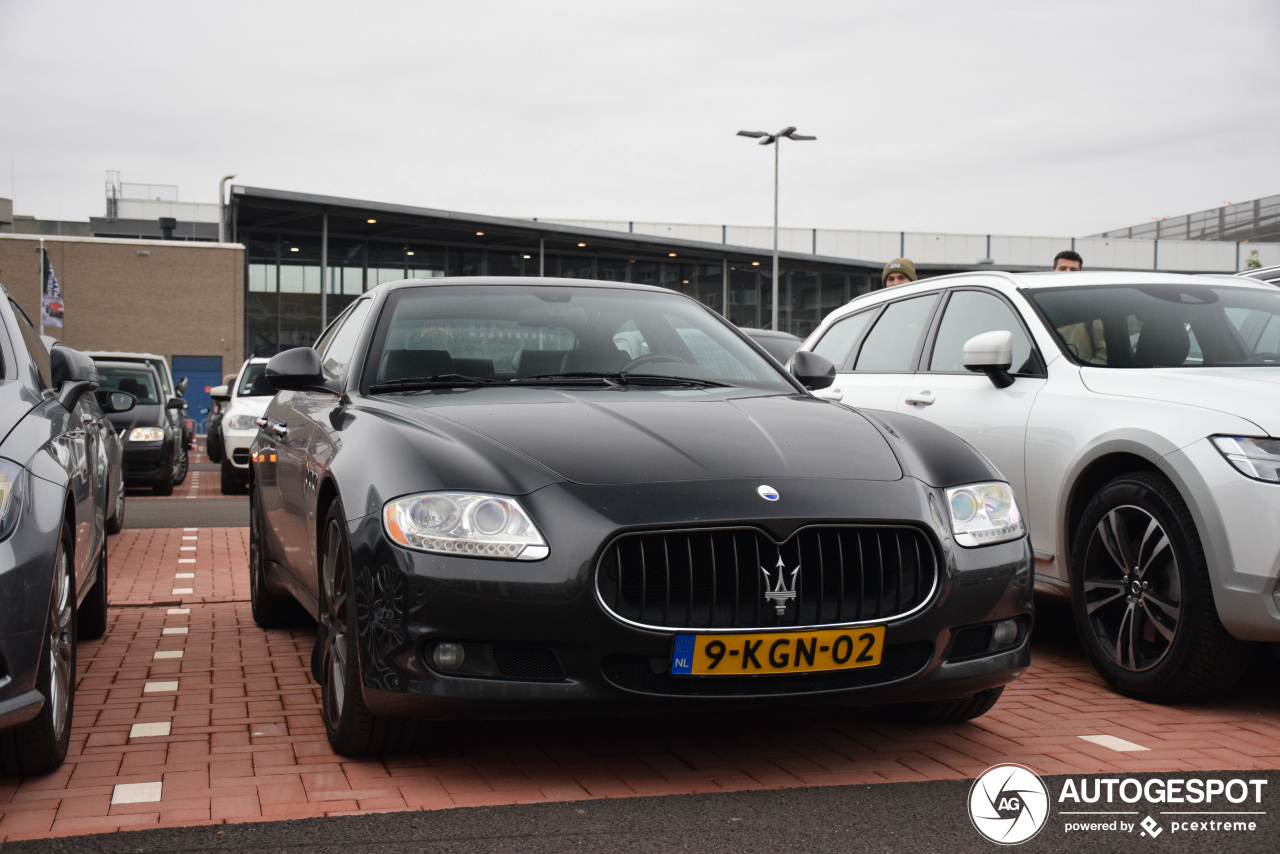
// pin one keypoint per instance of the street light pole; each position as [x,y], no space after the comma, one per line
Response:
[222,208]
[775,139]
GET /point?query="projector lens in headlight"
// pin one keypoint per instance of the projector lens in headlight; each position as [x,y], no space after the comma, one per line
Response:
[464,523]
[984,513]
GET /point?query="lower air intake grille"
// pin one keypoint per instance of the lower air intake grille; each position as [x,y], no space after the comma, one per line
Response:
[527,662]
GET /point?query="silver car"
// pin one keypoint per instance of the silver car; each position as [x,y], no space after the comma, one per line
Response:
[1136,415]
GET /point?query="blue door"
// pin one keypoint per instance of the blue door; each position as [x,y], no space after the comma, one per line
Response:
[202,373]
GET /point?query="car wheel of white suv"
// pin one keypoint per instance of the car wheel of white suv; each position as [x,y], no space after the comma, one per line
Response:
[1141,595]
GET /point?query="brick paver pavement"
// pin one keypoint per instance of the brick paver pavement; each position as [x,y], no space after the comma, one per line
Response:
[187,713]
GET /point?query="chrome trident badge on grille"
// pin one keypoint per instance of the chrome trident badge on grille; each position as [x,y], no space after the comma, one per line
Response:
[778,592]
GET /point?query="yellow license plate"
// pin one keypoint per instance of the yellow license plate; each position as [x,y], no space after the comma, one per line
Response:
[776,652]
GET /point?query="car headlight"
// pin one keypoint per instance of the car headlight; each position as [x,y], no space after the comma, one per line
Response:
[241,422]
[1255,458]
[464,523]
[10,485]
[984,513]
[146,434]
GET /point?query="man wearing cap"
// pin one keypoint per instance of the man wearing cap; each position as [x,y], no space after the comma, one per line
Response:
[899,271]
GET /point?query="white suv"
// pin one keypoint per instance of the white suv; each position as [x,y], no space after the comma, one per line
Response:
[250,395]
[1136,416]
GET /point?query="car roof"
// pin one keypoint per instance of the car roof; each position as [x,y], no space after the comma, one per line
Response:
[766,333]
[522,281]
[125,363]
[121,354]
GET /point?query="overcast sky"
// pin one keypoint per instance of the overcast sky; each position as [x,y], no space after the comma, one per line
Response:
[1062,118]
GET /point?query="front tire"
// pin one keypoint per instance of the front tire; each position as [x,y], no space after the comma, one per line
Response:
[180,465]
[92,614]
[230,478]
[1142,599]
[115,524]
[352,729]
[40,745]
[270,610]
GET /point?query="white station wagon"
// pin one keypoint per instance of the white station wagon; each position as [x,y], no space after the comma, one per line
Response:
[1136,416]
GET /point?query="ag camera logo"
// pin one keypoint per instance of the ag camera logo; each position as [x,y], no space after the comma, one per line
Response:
[1008,804]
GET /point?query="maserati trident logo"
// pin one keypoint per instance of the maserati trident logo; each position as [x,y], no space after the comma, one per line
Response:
[778,592]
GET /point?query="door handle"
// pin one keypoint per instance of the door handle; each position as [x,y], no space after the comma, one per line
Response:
[923,398]
[830,394]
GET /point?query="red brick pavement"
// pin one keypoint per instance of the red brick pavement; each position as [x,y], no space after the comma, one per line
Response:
[245,740]
[199,484]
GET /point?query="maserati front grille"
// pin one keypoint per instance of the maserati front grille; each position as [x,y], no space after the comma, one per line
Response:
[739,578]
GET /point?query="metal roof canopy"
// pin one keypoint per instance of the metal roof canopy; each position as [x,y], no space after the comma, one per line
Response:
[304,213]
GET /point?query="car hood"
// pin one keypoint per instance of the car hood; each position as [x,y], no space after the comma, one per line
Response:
[601,437]
[254,406]
[142,415]
[1250,393]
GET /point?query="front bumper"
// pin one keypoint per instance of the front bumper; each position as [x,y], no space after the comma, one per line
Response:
[542,642]
[1236,517]
[145,462]
[27,559]
[236,445]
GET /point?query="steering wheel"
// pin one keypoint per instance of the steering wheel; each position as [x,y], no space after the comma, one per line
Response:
[650,358]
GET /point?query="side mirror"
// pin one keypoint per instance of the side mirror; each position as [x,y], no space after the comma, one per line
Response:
[182,387]
[75,373]
[296,370]
[220,392]
[991,353]
[117,401]
[813,371]
[176,403]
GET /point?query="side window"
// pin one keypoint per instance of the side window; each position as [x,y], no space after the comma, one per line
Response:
[891,344]
[836,343]
[341,345]
[970,313]
[34,347]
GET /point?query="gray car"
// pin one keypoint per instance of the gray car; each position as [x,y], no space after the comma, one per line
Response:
[53,556]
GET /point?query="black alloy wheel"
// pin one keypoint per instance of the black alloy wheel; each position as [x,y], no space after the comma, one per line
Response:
[270,610]
[352,729]
[40,745]
[1141,595]
[180,462]
[115,522]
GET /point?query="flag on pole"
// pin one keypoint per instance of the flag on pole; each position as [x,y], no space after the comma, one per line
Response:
[50,293]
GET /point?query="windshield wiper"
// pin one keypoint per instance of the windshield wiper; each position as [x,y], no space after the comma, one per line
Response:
[437,381]
[621,378]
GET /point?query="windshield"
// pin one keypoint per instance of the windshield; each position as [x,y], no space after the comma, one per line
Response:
[253,382]
[510,333]
[1165,326]
[140,383]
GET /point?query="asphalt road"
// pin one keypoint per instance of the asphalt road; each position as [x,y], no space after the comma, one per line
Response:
[231,512]
[890,817]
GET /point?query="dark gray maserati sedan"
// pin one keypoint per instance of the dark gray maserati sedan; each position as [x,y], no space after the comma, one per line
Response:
[54,489]
[516,497]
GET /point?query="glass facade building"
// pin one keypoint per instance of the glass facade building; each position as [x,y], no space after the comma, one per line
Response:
[308,257]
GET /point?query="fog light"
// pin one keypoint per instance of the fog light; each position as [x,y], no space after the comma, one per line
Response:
[448,656]
[1006,632]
